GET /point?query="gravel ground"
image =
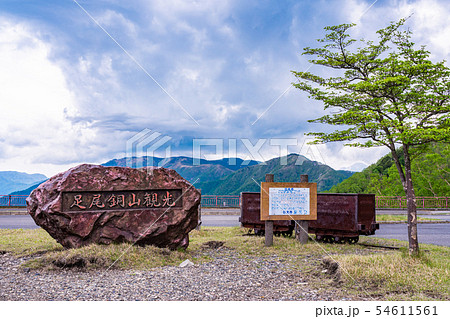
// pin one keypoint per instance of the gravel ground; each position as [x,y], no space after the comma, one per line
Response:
[226,277]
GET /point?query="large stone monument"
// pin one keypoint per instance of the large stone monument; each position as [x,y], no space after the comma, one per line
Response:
[97,204]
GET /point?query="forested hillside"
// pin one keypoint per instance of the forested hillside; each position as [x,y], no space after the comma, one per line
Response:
[431,175]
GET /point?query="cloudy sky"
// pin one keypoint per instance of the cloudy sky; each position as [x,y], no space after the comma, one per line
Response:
[81,78]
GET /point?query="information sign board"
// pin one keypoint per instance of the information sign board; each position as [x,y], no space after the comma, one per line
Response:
[288,201]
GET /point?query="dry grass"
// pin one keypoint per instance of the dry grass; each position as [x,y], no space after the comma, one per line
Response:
[398,276]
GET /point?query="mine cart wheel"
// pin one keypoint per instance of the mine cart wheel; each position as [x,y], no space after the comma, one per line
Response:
[287,233]
[277,233]
[328,239]
[258,232]
[352,240]
[337,239]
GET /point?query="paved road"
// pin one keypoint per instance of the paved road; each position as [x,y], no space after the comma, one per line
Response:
[443,217]
[438,234]
[17,221]
[419,212]
[220,220]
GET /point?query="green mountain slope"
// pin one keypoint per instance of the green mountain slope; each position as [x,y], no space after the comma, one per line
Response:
[248,179]
[430,170]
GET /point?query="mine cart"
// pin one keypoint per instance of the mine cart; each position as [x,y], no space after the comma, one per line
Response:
[343,217]
[340,217]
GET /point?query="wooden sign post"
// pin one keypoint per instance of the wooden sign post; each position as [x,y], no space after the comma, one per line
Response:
[288,201]
[301,226]
[268,227]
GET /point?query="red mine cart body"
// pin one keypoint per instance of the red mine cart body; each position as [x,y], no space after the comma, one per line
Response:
[344,216]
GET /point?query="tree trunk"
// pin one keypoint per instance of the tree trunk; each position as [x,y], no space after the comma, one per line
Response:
[398,165]
[411,204]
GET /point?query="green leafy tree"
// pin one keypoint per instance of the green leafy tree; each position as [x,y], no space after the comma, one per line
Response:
[386,93]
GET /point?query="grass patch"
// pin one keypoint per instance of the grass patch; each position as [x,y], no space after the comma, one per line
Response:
[122,256]
[236,239]
[401,218]
[354,270]
[397,276]
[24,242]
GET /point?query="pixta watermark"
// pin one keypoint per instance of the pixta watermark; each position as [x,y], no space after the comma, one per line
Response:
[142,150]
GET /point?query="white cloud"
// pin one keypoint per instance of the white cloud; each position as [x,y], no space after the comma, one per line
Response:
[429,20]
[34,101]
[351,158]
[430,25]
[113,19]
[171,10]
[195,20]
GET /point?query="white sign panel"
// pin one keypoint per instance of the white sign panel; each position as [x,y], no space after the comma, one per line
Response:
[289,201]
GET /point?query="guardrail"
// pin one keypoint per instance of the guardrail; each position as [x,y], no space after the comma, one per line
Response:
[421,202]
[220,201]
[234,201]
[13,200]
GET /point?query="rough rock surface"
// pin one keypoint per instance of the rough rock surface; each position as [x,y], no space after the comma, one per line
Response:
[160,226]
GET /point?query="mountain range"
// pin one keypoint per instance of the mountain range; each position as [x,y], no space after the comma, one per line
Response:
[11,181]
[205,170]
[230,176]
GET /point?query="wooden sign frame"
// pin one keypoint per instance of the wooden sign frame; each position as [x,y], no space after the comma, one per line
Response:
[265,186]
